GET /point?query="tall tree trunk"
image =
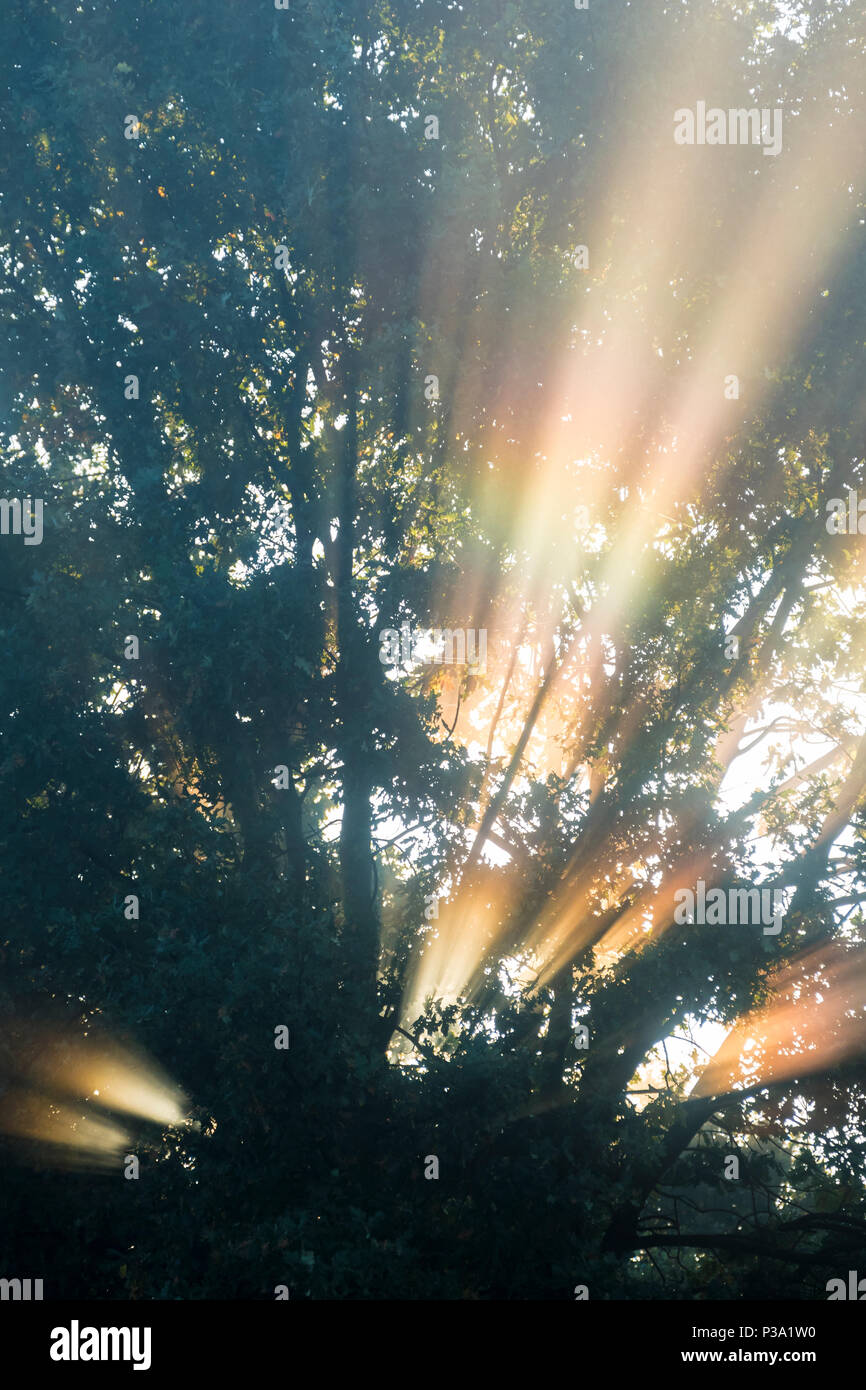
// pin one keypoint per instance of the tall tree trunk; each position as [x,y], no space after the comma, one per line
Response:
[357,867]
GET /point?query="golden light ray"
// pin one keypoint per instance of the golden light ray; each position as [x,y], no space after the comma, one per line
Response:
[64,1080]
[815,1020]
[453,953]
[74,1137]
[122,1080]
[622,422]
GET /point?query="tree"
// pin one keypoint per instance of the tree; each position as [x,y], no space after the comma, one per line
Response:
[331,321]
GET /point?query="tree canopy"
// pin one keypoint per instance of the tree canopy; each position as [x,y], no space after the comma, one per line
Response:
[334,320]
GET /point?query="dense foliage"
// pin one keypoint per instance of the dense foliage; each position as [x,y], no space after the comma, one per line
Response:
[282,250]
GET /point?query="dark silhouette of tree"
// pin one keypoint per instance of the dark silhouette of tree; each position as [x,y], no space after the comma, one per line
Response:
[345,318]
